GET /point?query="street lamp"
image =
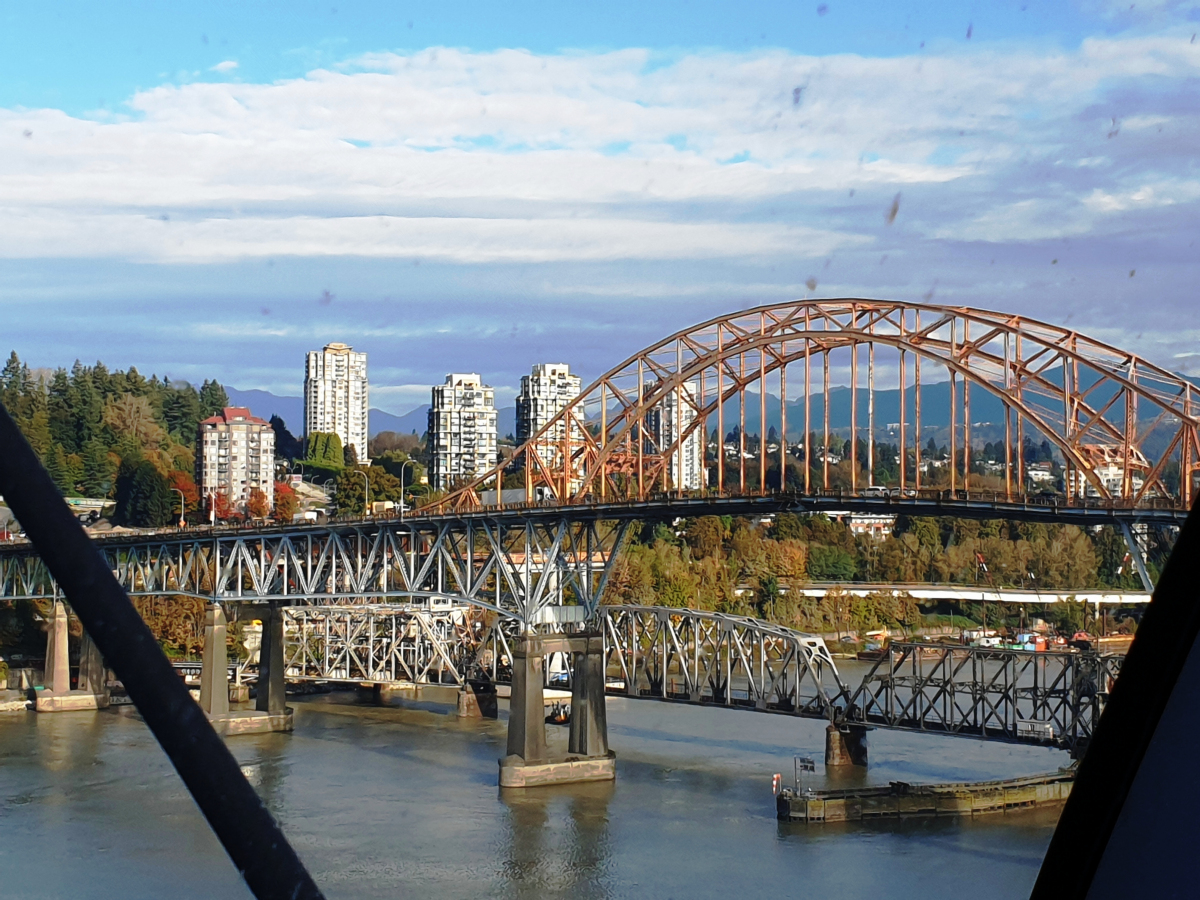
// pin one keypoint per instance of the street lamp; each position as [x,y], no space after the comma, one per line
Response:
[366,492]
[407,462]
[182,521]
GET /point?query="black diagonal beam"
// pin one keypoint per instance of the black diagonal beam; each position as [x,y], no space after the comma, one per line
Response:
[1148,676]
[249,834]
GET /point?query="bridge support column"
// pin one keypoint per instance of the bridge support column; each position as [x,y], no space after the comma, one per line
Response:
[527,708]
[214,673]
[589,719]
[271,712]
[477,700]
[846,745]
[92,671]
[589,759]
[57,695]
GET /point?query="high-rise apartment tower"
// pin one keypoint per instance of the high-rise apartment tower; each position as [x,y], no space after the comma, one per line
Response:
[544,393]
[462,429]
[335,395]
[236,455]
[667,420]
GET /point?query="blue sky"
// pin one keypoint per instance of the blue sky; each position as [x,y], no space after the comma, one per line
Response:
[211,191]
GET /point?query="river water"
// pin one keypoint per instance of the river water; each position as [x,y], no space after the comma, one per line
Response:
[400,800]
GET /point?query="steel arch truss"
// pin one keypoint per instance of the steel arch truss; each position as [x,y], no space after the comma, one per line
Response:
[1127,432]
[714,658]
[1039,697]
[517,566]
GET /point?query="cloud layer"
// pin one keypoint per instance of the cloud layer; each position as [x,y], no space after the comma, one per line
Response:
[712,177]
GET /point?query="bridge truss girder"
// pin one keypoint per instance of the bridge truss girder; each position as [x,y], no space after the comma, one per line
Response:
[985,692]
[517,566]
[720,659]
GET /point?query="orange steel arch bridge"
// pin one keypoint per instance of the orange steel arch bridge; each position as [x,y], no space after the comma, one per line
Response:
[634,445]
[1125,432]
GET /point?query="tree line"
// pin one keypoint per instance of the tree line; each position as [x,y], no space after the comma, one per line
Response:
[747,567]
[120,436]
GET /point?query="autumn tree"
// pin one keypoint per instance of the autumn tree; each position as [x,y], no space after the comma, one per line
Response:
[286,503]
[257,504]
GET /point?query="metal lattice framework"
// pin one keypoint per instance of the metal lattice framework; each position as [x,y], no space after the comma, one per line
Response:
[715,658]
[520,567]
[1127,432]
[381,643]
[1041,697]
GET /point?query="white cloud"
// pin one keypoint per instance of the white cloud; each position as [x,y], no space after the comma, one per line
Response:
[512,156]
[226,66]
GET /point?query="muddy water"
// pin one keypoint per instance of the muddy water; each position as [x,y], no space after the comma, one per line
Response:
[401,800]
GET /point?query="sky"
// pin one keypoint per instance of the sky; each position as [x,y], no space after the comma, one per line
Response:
[210,191]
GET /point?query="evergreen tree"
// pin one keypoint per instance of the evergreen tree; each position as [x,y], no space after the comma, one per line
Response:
[212,398]
[60,470]
[61,413]
[143,497]
[181,411]
[97,479]
[286,444]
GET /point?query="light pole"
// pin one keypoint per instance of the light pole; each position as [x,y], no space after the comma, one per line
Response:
[182,501]
[366,492]
[407,462]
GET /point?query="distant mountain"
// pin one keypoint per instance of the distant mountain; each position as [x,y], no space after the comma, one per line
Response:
[264,404]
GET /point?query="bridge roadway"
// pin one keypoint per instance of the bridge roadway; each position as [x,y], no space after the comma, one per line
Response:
[520,561]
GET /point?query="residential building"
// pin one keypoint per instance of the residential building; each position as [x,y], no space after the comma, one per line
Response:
[236,454]
[462,430]
[1109,465]
[667,420]
[335,396]
[545,392]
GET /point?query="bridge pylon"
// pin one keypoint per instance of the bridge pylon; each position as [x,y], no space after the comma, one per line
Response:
[57,695]
[528,763]
[271,713]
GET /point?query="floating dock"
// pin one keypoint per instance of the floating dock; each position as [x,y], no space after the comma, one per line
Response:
[900,800]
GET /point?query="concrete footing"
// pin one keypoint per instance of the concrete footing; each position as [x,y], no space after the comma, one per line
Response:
[846,745]
[517,773]
[251,721]
[50,701]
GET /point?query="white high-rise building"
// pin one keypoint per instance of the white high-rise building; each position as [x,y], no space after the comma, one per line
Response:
[462,430]
[236,455]
[685,465]
[544,394]
[335,396]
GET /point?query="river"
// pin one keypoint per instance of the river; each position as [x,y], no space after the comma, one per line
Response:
[400,800]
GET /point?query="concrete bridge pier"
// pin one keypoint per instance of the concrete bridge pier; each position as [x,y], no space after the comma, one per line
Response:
[588,758]
[589,717]
[846,745]
[57,695]
[271,714]
[93,674]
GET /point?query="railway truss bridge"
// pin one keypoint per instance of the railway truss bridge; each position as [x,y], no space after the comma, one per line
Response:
[714,659]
